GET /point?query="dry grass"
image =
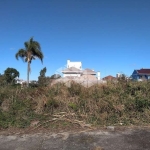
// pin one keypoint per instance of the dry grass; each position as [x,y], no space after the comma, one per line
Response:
[98,148]
[122,103]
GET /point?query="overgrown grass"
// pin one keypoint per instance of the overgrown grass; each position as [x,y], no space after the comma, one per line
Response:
[122,103]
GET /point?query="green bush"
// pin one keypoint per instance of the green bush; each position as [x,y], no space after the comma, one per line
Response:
[142,104]
[73,106]
[51,105]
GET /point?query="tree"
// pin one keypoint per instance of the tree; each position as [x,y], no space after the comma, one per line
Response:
[2,80]
[31,51]
[10,74]
[42,72]
[55,76]
[42,78]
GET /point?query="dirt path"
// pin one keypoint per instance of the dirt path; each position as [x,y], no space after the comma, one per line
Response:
[110,139]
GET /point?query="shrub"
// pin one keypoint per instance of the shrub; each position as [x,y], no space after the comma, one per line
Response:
[74,89]
[73,106]
[51,105]
[142,104]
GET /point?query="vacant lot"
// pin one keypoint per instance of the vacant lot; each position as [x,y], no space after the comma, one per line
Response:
[121,103]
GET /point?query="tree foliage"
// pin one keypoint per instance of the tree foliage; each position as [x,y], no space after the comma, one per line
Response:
[42,79]
[2,80]
[10,74]
[55,76]
[43,72]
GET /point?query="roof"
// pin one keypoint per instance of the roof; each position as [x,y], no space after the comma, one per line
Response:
[88,77]
[143,71]
[70,70]
[88,71]
[109,78]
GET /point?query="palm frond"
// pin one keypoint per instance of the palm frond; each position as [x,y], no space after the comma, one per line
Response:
[26,59]
[36,45]
[38,54]
[21,53]
[26,44]
[31,40]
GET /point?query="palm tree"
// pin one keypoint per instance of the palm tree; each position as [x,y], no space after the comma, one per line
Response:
[31,51]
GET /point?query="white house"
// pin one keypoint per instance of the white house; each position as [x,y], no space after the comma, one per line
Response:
[74,69]
[71,72]
[77,65]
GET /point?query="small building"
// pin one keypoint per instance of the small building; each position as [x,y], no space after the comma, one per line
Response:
[109,78]
[141,75]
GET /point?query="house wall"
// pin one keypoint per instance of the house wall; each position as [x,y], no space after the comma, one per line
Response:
[136,76]
[72,75]
[98,75]
[77,65]
[145,76]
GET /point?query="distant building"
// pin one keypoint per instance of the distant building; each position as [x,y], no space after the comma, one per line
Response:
[141,75]
[118,75]
[77,65]
[74,69]
[75,73]
[20,81]
[109,78]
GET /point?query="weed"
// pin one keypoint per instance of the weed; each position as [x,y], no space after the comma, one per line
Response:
[73,106]
[110,104]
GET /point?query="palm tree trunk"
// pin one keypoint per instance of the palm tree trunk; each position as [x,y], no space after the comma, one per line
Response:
[28,70]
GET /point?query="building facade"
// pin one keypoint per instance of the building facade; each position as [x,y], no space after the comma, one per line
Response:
[74,69]
[141,75]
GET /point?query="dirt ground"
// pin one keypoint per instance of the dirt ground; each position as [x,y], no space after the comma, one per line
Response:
[109,138]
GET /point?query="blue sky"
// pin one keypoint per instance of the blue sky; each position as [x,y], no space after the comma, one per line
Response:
[109,36]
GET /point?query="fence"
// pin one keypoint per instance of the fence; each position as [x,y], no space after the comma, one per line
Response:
[84,82]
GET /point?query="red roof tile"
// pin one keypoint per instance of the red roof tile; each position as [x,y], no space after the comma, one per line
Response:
[109,78]
[144,71]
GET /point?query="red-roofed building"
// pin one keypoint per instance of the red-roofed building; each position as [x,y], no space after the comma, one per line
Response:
[109,78]
[140,75]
